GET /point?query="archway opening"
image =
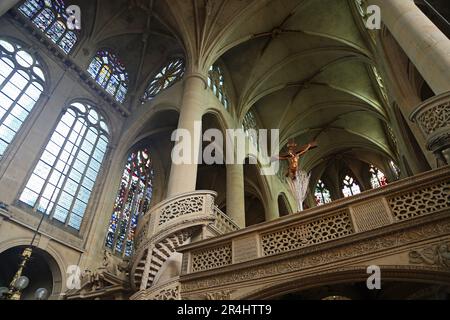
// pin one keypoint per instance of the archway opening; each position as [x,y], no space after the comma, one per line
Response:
[41,270]
[283,207]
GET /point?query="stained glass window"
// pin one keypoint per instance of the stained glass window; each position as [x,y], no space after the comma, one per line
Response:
[377,178]
[50,17]
[350,187]
[251,127]
[133,199]
[21,84]
[166,77]
[380,82]
[217,84]
[110,73]
[63,179]
[323,195]
[361,7]
[395,169]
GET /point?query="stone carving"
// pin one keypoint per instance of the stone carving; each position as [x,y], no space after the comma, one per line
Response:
[223,223]
[219,295]
[435,255]
[313,258]
[211,258]
[435,118]
[184,206]
[315,232]
[421,202]
[168,294]
[96,279]
[370,215]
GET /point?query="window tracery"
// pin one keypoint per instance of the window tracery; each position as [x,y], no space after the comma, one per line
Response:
[133,200]
[377,179]
[323,195]
[21,85]
[217,84]
[350,187]
[64,177]
[166,77]
[50,17]
[110,73]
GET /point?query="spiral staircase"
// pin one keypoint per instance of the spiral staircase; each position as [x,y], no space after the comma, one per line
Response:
[166,227]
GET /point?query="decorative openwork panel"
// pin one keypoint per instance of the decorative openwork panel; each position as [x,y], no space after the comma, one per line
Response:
[321,230]
[435,118]
[211,258]
[370,215]
[168,294]
[421,202]
[182,207]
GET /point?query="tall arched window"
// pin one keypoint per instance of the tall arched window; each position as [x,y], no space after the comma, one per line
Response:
[21,84]
[217,84]
[110,73]
[395,169]
[377,178]
[251,126]
[350,187]
[323,195]
[133,199]
[63,179]
[166,77]
[50,17]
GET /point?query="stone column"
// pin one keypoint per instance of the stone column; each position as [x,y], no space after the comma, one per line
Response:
[5,5]
[183,177]
[236,194]
[272,212]
[425,45]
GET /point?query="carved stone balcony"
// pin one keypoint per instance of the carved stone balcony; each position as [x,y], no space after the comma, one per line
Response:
[390,227]
[433,118]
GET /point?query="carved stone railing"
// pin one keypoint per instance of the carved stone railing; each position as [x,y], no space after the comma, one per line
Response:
[223,223]
[421,198]
[172,212]
[166,291]
[433,118]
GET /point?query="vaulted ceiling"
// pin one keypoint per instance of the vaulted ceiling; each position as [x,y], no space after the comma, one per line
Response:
[302,66]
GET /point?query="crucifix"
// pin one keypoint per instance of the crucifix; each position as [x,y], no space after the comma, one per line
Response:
[297,179]
[293,155]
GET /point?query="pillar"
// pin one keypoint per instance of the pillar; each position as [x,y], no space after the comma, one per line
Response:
[183,177]
[272,212]
[236,194]
[425,45]
[5,5]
